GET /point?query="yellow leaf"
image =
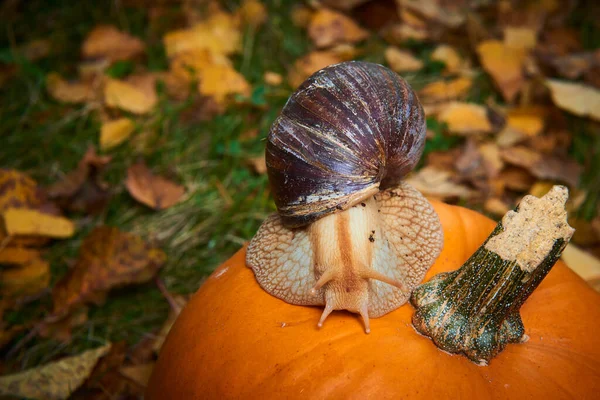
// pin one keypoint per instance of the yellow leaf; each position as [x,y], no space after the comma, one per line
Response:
[68,92]
[449,56]
[446,90]
[328,28]
[127,97]
[520,37]
[465,118]
[115,132]
[27,279]
[576,98]
[526,121]
[219,81]
[402,61]
[21,221]
[219,34]
[505,65]
[56,380]
[253,12]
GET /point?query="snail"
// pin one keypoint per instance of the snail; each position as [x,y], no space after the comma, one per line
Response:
[348,234]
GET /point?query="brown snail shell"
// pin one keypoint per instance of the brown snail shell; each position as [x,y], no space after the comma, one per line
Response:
[350,130]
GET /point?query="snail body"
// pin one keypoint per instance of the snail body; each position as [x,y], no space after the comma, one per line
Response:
[349,234]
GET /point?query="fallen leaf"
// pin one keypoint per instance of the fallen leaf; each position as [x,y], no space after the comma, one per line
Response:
[258,164]
[450,14]
[301,15]
[113,133]
[517,179]
[443,91]
[527,121]
[311,63]
[176,306]
[328,27]
[82,189]
[219,81]
[583,263]
[105,381]
[449,56]
[56,380]
[573,66]
[402,61]
[401,33]
[272,78]
[26,278]
[505,64]
[108,258]
[219,33]
[466,118]
[139,374]
[126,96]
[492,160]
[69,92]
[8,334]
[543,166]
[24,222]
[496,206]
[520,37]
[576,98]
[344,4]
[154,191]
[253,12]
[438,183]
[107,42]
[61,329]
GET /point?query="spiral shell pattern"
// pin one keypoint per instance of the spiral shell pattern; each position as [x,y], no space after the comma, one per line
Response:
[350,130]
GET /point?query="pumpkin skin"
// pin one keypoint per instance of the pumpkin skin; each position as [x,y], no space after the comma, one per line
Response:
[233,340]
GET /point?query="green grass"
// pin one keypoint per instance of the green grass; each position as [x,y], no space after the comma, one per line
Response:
[47,139]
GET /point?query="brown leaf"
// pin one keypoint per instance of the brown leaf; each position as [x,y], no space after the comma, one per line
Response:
[466,118]
[311,63]
[505,64]
[61,329]
[574,66]
[129,97]
[56,380]
[113,133]
[520,37]
[496,206]
[82,189]
[108,258]
[517,179]
[576,98]
[328,27]
[543,166]
[438,183]
[154,191]
[139,374]
[447,13]
[402,61]
[107,42]
[36,49]
[69,92]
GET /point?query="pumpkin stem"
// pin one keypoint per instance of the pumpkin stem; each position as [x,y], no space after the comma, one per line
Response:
[475,310]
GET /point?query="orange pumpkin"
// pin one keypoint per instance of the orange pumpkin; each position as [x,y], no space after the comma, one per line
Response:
[233,340]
